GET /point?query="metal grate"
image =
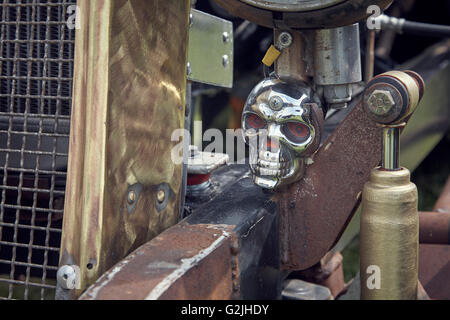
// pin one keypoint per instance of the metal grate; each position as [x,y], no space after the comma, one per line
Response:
[36,64]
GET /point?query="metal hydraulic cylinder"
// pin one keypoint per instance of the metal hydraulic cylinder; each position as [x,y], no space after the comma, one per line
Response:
[389,234]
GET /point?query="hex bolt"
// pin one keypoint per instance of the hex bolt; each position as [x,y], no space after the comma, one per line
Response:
[67,277]
[275,103]
[380,102]
[131,198]
[285,40]
[160,196]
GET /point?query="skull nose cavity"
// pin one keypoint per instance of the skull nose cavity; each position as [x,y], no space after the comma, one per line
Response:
[269,156]
[272,145]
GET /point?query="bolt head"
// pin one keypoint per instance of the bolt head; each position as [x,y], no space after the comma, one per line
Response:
[285,39]
[380,102]
[275,103]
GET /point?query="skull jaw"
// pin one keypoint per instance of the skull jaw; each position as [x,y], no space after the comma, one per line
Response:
[275,181]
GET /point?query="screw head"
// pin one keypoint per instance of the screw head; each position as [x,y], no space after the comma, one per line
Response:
[380,102]
[160,196]
[275,103]
[285,40]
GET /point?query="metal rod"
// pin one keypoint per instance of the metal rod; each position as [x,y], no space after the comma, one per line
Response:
[370,56]
[391,149]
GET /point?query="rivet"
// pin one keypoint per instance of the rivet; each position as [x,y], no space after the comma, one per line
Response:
[188,69]
[160,196]
[225,61]
[225,37]
[131,197]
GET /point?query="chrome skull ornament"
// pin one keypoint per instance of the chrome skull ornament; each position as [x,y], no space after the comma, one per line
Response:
[282,124]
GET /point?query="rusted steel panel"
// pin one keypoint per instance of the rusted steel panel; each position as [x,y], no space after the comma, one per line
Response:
[128,98]
[316,210]
[184,262]
[434,227]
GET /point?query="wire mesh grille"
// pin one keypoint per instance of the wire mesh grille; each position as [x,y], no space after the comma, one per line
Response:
[36,64]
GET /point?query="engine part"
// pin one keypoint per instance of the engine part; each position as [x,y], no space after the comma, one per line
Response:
[337,63]
[389,235]
[282,124]
[291,66]
[302,14]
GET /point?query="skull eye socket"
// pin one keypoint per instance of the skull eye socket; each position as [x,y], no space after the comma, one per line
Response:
[297,132]
[253,121]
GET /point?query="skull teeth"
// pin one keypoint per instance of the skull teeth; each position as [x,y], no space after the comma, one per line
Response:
[269,172]
[270,164]
[273,169]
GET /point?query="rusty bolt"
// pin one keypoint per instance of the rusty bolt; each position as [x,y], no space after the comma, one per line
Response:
[380,102]
[160,196]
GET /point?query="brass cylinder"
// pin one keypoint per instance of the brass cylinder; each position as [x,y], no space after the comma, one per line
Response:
[389,237]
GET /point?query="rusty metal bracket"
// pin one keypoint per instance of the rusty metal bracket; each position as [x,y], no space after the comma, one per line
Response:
[315,211]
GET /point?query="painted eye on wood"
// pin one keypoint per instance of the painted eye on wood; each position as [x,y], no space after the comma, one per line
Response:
[296,132]
[253,121]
